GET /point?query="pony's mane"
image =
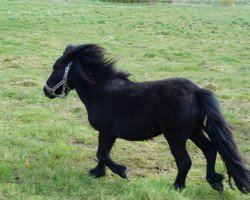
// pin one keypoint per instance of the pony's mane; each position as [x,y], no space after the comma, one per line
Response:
[93,65]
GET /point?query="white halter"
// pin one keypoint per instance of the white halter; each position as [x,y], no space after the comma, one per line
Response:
[63,83]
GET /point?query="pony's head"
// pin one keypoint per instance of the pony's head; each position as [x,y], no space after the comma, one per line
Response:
[84,61]
[57,84]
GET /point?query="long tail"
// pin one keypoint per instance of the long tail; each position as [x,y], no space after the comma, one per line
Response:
[220,134]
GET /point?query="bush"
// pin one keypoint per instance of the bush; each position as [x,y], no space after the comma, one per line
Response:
[178,1]
[148,1]
[133,1]
[227,2]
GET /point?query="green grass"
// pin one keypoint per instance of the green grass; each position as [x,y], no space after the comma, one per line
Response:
[47,147]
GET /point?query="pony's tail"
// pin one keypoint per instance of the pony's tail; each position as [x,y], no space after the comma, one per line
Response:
[220,134]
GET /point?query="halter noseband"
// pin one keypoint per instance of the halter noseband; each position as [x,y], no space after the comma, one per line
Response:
[63,83]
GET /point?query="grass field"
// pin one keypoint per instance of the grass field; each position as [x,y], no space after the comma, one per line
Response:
[47,147]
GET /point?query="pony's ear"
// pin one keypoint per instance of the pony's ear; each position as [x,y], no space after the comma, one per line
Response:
[70,48]
[72,51]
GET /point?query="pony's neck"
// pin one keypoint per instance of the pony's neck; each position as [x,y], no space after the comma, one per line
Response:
[91,75]
[95,71]
[84,90]
[92,93]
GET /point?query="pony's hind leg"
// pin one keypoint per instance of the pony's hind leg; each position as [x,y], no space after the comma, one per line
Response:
[105,145]
[178,149]
[209,150]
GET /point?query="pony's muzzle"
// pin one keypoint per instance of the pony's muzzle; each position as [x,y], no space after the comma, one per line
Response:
[47,94]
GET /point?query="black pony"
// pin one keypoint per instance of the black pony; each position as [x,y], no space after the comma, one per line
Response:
[120,108]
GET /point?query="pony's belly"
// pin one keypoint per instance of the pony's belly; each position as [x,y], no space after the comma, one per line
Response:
[138,135]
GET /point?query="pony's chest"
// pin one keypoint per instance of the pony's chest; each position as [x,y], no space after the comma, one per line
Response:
[100,118]
[123,124]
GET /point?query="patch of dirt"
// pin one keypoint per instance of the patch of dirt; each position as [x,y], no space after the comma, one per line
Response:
[82,143]
[26,83]
[13,62]
[205,63]
[210,86]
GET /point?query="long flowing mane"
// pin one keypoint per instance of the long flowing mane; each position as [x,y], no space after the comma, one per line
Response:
[92,64]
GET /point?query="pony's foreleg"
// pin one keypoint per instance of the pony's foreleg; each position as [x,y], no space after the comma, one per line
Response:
[105,145]
[98,171]
[209,150]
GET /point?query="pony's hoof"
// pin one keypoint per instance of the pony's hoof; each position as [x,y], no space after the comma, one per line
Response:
[244,190]
[97,173]
[218,187]
[179,187]
[125,175]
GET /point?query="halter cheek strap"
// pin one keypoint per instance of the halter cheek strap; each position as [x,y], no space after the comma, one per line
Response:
[63,83]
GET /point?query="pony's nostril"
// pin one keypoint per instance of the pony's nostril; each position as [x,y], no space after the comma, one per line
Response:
[47,94]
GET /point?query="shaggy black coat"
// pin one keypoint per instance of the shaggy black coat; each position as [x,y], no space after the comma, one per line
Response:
[175,107]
